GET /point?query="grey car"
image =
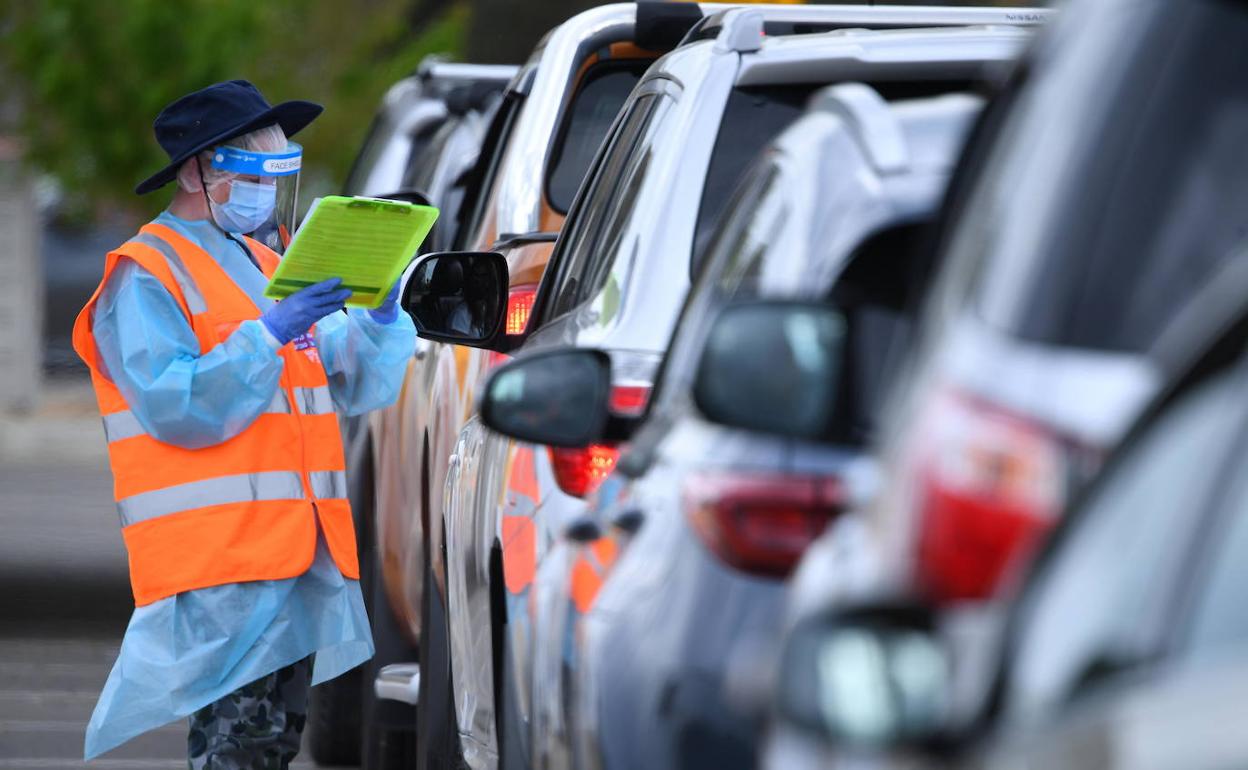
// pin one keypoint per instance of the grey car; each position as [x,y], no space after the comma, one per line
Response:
[1127,645]
[1137,268]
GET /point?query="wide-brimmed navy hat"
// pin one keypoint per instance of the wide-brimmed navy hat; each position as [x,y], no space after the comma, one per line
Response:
[214,115]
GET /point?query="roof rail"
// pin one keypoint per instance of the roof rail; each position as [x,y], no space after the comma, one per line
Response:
[465,71]
[741,31]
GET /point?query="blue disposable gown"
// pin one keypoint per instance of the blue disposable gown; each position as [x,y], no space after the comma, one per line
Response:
[186,651]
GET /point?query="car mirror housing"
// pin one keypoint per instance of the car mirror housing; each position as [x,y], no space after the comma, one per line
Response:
[772,367]
[558,398]
[458,297]
[873,678]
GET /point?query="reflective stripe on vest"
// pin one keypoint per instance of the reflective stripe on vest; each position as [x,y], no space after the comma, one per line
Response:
[245,509]
[194,299]
[119,426]
[245,488]
[314,400]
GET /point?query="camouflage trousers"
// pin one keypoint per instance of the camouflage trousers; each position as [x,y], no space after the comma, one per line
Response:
[256,727]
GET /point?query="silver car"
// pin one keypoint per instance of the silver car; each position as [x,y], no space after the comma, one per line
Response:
[617,280]
[1105,261]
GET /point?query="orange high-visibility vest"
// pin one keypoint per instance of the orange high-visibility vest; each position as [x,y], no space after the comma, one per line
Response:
[245,509]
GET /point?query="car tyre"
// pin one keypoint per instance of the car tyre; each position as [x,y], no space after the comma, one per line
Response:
[334,724]
[437,731]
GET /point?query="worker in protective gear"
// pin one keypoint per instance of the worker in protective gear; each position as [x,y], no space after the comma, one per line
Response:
[220,411]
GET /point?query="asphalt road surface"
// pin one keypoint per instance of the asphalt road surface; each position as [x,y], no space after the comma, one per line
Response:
[64,604]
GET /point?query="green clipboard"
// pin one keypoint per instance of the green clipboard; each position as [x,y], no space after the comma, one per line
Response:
[367,242]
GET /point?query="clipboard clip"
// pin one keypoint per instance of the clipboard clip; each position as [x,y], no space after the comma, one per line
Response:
[372,203]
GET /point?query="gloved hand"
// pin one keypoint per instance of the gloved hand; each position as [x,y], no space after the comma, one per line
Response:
[294,315]
[388,310]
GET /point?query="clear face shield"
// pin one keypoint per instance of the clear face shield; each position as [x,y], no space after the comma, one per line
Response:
[264,190]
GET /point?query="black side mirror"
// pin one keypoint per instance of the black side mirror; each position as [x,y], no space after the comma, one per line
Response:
[458,296]
[772,367]
[870,678]
[558,398]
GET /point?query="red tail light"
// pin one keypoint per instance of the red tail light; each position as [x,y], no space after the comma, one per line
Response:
[989,483]
[519,307]
[579,472]
[761,524]
[629,400]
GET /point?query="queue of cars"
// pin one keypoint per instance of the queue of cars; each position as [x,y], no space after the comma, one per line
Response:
[802,385]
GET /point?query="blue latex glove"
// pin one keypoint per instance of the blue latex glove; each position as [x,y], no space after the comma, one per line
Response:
[294,315]
[388,310]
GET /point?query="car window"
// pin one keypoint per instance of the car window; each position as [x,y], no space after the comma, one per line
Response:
[479,187]
[1096,604]
[1219,619]
[603,92]
[422,174]
[879,295]
[752,117]
[1150,211]
[759,208]
[619,172]
[363,164]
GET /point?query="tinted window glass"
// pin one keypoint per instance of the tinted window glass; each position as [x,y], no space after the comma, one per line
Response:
[480,182]
[759,208]
[879,294]
[752,117]
[364,162]
[422,172]
[755,116]
[1143,218]
[1096,606]
[605,88]
[620,171]
[1220,619]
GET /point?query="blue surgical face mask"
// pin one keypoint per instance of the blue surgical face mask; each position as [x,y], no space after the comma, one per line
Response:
[250,205]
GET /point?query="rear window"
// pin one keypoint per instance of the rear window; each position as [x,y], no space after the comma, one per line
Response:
[603,92]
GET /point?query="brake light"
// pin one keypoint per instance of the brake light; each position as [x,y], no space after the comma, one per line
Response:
[761,524]
[629,400]
[989,484]
[520,301]
[519,306]
[579,472]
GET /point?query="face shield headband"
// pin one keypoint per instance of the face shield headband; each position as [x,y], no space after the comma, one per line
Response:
[263,193]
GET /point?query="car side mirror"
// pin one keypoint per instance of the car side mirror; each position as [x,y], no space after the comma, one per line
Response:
[458,297]
[868,679]
[559,398]
[772,367]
